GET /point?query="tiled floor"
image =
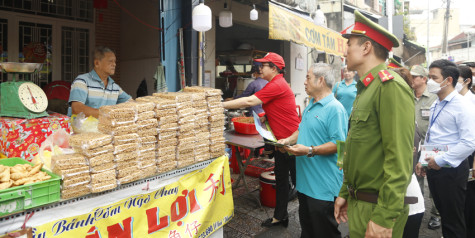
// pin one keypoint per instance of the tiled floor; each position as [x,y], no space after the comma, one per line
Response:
[248,217]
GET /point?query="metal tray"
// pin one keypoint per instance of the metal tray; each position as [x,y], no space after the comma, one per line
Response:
[15,67]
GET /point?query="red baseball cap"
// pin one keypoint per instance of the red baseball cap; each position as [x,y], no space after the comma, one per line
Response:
[272,58]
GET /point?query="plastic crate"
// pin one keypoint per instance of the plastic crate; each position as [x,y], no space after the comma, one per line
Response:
[23,197]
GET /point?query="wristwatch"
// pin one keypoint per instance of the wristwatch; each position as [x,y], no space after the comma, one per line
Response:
[310,151]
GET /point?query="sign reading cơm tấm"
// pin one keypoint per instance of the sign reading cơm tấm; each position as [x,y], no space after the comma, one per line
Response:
[286,25]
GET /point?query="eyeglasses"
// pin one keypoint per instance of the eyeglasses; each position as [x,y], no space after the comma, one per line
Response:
[262,65]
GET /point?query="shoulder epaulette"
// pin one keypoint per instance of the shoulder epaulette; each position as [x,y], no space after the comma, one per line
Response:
[384,75]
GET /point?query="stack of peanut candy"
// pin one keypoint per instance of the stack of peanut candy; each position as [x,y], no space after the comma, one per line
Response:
[216,119]
[120,122]
[74,173]
[200,106]
[97,150]
[185,154]
[166,114]
[147,125]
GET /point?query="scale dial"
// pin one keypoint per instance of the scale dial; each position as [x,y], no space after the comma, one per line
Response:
[32,97]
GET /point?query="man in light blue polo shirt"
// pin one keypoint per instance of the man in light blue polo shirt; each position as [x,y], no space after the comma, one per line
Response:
[319,179]
[345,91]
[95,89]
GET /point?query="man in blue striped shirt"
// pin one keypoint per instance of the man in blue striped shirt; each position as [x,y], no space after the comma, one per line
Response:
[95,89]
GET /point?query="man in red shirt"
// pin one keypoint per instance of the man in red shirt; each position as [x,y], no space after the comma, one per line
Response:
[278,102]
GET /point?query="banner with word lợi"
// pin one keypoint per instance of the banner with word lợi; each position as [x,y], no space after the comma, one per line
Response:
[286,25]
[195,206]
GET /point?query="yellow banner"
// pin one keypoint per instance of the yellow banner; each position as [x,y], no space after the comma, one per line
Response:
[285,25]
[195,206]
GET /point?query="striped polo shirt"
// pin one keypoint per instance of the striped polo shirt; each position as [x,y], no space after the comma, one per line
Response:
[89,89]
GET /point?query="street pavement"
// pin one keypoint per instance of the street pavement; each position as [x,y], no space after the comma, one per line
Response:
[248,216]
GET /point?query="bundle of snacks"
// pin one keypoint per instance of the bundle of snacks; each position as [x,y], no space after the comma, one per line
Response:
[95,152]
[148,146]
[89,140]
[103,181]
[208,91]
[147,164]
[120,111]
[217,150]
[127,166]
[74,172]
[118,130]
[146,115]
[21,174]
[118,119]
[126,139]
[166,158]
[166,163]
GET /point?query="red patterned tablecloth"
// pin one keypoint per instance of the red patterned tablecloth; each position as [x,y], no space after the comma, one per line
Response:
[23,137]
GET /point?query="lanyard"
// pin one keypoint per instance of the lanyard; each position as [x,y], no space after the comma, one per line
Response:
[433,119]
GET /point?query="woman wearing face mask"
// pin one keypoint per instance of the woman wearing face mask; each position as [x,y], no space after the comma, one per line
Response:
[465,83]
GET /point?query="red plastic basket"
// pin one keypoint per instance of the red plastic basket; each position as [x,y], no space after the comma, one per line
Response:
[244,128]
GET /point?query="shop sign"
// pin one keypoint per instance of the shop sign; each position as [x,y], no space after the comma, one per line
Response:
[286,25]
[195,206]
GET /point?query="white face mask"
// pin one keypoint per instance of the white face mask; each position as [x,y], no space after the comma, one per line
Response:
[459,87]
[433,86]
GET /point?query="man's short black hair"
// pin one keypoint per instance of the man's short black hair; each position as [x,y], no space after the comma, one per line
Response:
[379,50]
[466,73]
[447,68]
[281,71]
[470,64]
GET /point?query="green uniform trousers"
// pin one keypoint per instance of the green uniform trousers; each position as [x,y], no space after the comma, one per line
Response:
[359,213]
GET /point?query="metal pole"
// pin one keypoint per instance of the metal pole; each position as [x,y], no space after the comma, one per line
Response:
[389,13]
[468,48]
[200,58]
[428,37]
[446,31]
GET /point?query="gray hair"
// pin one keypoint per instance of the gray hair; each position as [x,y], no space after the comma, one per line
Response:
[100,51]
[325,70]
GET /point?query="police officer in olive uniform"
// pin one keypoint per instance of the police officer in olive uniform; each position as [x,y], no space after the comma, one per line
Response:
[377,157]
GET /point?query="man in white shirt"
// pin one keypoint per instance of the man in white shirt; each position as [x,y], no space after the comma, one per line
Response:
[449,124]
[465,83]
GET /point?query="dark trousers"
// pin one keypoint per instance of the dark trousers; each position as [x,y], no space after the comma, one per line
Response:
[411,230]
[470,209]
[317,218]
[470,203]
[284,163]
[448,187]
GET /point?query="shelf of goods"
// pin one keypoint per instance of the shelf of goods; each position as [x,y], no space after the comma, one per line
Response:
[64,209]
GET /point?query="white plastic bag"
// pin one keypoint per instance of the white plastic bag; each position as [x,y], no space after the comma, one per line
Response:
[82,124]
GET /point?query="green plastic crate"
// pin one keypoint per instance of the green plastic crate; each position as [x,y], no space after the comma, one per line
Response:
[28,196]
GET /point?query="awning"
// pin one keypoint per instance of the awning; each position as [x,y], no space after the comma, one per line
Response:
[371,16]
[284,24]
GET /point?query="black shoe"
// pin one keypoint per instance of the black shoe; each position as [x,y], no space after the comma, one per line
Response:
[434,223]
[268,223]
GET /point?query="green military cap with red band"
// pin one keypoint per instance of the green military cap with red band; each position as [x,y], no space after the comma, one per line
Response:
[393,64]
[365,27]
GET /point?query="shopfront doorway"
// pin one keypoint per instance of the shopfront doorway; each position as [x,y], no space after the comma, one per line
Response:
[62,45]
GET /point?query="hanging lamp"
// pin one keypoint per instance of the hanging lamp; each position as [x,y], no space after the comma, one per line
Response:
[226,17]
[254,15]
[201,17]
[319,17]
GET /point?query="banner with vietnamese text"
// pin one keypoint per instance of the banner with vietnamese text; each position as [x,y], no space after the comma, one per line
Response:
[286,25]
[195,206]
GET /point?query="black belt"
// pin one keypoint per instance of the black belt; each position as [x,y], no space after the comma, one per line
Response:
[373,197]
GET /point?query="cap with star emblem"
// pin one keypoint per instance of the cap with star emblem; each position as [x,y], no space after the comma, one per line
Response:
[393,64]
[365,27]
